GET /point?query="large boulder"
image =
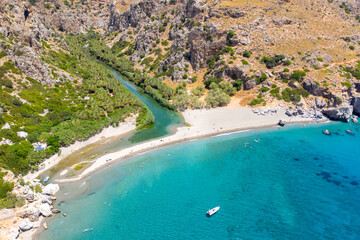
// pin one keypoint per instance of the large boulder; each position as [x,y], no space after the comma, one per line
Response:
[313,87]
[356,105]
[45,210]
[320,102]
[51,189]
[339,114]
[26,225]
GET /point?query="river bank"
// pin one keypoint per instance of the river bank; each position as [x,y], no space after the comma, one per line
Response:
[107,133]
[201,123]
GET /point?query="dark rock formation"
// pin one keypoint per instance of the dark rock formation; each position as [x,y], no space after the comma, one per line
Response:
[339,114]
[356,105]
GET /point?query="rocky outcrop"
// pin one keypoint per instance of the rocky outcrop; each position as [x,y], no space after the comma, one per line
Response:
[320,102]
[45,210]
[317,90]
[136,15]
[26,225]
[31,65]
[144,41]
[356,105]
[339,114]
[51,189]
[205,44]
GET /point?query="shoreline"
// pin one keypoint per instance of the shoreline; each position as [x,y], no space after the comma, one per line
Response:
[201,124]
[200,127]
[124,127]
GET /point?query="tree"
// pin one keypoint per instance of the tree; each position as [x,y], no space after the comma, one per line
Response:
[217,98]
[198,91]
[181,101]
[227,88]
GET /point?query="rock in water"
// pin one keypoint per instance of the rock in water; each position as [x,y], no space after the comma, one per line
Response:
[45,210]
[26,225]
[51,189]
[349,132]
[56,211]
[326,132]
[281,123]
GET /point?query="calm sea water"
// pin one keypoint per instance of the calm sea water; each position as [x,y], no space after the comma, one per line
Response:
[290,183]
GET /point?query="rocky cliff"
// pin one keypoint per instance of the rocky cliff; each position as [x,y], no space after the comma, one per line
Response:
[258,44]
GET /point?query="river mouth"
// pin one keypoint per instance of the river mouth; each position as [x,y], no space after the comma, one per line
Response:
[166,123]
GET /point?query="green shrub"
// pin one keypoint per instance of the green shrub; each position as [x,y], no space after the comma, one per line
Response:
[272,62]
[298,75]
[238,84]
[217,98]
[2,54]
[246,54]
[212,80]
[244,62]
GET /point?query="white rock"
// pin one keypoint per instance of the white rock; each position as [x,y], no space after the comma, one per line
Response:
[13,233]
[22,134]
[6,126]
[51,189]
[45,210]
[26,225]
[46,199]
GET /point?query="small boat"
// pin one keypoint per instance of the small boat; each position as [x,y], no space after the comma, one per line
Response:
[211,212]
[46,179]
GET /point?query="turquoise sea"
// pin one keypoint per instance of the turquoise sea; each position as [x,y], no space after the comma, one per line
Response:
[288,183]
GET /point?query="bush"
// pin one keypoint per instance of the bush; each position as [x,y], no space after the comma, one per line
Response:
[228,88]
[351,47]
[247,54]
[2,54]
[272,62]
[238,84]
[229,50]
[193,79]
[217,98]
[198,91]
[165,43]
[212,80]
[298,75]
[244,62]
[7,83]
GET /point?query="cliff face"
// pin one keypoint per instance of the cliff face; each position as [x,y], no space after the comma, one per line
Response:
[242,40]
[24,27]
[179,40]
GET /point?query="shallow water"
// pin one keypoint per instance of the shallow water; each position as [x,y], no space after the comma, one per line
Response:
[166,122]
[291,183]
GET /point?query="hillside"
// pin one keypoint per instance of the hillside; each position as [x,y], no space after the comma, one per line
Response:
[186,54]
[275,48]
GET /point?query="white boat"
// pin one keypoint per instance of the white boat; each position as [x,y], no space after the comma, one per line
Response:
[46,179]
[211,212]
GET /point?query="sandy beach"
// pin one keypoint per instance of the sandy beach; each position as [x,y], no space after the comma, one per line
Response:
[123,128]
[201,123]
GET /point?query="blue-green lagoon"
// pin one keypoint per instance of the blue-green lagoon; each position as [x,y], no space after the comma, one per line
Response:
[288,183]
